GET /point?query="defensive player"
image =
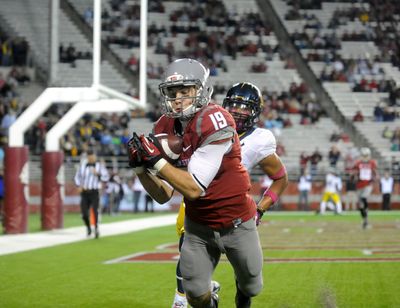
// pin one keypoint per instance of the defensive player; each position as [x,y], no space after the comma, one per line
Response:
[366,170]
[331,196]
[244,102]
[220,214]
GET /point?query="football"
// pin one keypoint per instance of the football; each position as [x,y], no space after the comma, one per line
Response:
[170,146]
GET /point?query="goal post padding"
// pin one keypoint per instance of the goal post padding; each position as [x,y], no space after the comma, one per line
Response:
[16,184]
[53,190]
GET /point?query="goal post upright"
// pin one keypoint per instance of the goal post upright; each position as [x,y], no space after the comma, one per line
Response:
[17,156]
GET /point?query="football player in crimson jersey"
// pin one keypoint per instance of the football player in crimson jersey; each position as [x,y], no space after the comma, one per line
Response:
[220,215]
[244,102]
[366,171]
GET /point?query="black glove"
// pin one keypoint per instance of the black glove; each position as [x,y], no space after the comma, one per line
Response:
[135,160]
[150,154]
[259,215]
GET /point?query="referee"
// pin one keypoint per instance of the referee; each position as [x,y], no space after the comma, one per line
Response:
[88,178]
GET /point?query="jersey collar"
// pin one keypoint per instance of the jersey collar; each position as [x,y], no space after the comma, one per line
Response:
[246,133]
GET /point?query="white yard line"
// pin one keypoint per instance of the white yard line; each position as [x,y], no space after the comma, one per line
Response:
[23,242]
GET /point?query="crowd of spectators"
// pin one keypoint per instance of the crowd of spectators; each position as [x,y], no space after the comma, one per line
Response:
[394,136]
[69,54]
[13,75]
[211,31]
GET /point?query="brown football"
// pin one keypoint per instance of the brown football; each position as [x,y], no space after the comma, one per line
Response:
[170,146]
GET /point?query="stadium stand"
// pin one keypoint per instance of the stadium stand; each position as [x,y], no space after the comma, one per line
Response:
[237,42]
[355,70]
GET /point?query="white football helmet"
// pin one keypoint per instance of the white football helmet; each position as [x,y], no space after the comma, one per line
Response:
[365,153]
[187,73]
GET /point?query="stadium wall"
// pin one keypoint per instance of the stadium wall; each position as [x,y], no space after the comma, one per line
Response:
[288,201]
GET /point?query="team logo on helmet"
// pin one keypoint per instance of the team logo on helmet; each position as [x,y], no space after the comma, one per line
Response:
[174,77]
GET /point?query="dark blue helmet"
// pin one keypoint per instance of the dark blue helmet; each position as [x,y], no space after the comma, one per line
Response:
[244,101]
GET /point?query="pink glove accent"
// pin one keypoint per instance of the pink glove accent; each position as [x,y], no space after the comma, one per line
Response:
[272,195]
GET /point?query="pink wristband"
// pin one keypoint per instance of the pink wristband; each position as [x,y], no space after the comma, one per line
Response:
[271,194]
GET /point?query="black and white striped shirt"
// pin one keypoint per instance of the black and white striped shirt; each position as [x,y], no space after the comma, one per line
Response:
[90,176]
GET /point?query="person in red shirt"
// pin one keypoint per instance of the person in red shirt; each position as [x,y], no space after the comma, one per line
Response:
[220,215]
[366,171]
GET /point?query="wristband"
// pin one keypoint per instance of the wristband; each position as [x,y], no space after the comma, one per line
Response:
[160,164]
[272,195]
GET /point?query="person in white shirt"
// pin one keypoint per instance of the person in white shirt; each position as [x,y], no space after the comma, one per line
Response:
[386,190]
[304,186]
[331,197]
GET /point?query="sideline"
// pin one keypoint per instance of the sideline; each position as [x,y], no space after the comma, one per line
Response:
[13,243]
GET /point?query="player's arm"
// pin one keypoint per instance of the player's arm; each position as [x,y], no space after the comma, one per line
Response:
[275,169]
[203,167]
[155,187]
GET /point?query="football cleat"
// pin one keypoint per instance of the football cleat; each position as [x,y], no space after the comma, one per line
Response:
[179,304]
[215,286]
[180,301]
[215,299]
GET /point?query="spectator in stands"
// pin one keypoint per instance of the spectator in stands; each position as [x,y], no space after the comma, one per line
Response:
[88,15]
[395,140]
[304,158]
[315,158]
[387,133]
[378,112]
[333,156]
[386,187]
[395,169]
[133,63]
[389,114]
[335,137]
[8,119]
[304,186]
[358,117]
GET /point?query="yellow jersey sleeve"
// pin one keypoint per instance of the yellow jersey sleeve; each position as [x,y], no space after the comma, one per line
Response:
[180,220]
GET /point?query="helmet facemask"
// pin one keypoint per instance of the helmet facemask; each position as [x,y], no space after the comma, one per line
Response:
[169,90]
[244,114]
[244,102]
[180,74]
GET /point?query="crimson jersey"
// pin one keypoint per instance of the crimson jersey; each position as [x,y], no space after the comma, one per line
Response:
[366,172]
[227,198]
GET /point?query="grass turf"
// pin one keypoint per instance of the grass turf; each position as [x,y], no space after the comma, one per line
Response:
[75,275]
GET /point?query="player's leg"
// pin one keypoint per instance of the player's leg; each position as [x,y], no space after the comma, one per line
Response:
[338,203]
[364,193]
[95,206]
[85,206]
[199,257]
[324,201]
[244,252]
[180,297]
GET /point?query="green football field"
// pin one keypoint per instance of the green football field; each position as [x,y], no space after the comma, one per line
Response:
[310,261]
